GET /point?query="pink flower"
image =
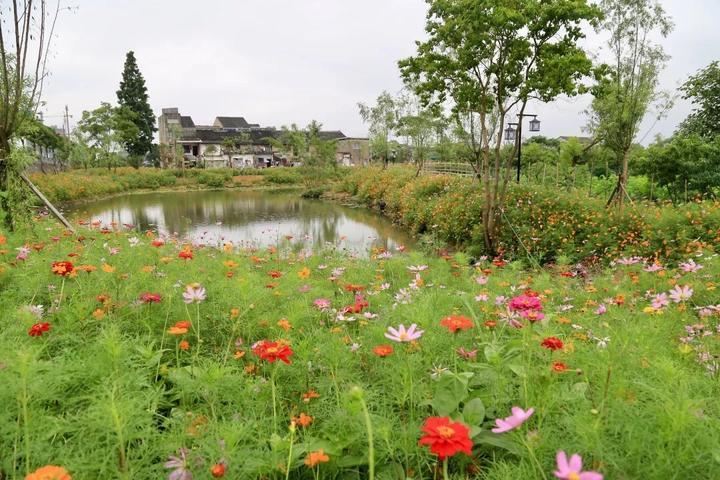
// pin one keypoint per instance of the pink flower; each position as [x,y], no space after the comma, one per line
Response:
[655,267]
[467,354]
[690,266]
[525,302]
[322,303]
[517,418]
[681,294]
[572,470]
[402,335]
[660,300]
[481,280]
[601,310]
[194,293]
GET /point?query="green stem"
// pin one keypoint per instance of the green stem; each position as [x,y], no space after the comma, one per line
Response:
[371,443]
[25,416]
[534,458]
[445,469]
[274,400]
[289,460]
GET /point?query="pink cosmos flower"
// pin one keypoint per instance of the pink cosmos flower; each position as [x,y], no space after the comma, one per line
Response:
[518,417]
[690,266]
[24,252]
[322,303]
[572,470]
[481,297]
[402,335]
[194,293]
[655,267]
[481,280]
[601,310]
[466,354]
[660,300]
[681,294]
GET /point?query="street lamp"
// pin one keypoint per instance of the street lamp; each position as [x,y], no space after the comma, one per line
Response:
[510,135]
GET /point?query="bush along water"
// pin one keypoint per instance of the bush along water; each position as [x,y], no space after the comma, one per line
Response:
[139,356]
[539,224]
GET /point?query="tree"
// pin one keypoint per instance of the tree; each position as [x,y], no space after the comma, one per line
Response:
[703,90]
[26,33]
[382,120]
[622,99]
[133,96]
[107,129]
[490,57]
[420,127]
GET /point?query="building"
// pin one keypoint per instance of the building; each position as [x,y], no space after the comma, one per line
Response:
[234,142]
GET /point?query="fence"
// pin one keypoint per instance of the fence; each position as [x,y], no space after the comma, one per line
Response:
[453,168]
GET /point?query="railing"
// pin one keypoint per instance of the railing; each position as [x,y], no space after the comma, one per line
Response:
[451,168]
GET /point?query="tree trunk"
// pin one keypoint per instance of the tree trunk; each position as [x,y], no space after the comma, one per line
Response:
[620,191]
[5,183]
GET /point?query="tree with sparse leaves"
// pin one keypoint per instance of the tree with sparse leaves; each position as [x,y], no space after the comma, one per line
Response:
[133,96]
[703,90]
[488,58]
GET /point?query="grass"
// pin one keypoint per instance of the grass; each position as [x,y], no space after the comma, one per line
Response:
[108,392]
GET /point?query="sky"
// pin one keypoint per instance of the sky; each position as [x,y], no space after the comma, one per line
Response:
[277,62]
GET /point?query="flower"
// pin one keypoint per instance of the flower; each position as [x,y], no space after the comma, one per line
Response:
[272,351]
[402,335]
[466,354]
[532,315]
[445,437]
[383,350]
[304,273]
[559,367]
[552,343]
[49,472]
[309,395]
[179,466]
[180,328]
[184,345]
[572,470]
[218,470]
[457,322]
[315,458]
[660,300]
[38,329]
[690,266]
[303,420]
[148,297]
[63,268]
[194,293]
[525,302]
[322,303]
[186,254]
[518,417]
[680,294]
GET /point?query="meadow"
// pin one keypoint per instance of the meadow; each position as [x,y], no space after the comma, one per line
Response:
[129,355]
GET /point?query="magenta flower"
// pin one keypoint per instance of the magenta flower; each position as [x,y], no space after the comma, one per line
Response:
[322,303]
[402,335]
[194,293]
[525,302]
[518,417]
[601,310]
[681,294]
[148,297]
[572,470]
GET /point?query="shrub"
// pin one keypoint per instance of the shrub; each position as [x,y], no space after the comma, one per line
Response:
[282,176]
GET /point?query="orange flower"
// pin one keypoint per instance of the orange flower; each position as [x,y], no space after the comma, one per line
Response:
[184,345]
[304,273]
[239,354]
[3,239]
[456,322]
[180,328]
[315,458]
[108,268]
[99,314]
[230,264]
[275,274]
[307,396]
[234,312]
[284,324]
[383,350]
[303,420]
[49,472]
[228,247]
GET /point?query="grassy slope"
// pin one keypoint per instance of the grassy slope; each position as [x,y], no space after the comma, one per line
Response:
[97,385]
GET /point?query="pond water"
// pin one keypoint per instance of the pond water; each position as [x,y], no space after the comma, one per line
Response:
[252,218]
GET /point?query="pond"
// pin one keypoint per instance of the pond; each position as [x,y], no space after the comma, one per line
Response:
[250,218]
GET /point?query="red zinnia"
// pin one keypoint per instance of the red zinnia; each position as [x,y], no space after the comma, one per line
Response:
[552,343]
[445,437]
[456,322]
[218,470]
[186,254]
[38,329]
[353,288]
[559,367]
[275,274]
[148,297]
[383,350]
[272,351]
[62,268]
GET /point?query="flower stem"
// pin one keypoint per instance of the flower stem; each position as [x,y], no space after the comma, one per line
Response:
[445,469]
[289,460]
[534,458]
[274,400]
[371,443]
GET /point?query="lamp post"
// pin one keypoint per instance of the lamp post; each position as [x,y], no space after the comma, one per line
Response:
[516,135]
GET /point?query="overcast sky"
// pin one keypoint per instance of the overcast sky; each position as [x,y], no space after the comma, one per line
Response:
[276,62]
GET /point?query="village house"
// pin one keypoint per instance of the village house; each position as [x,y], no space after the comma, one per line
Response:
[234,142]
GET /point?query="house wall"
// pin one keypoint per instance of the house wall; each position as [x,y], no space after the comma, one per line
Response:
[353,152]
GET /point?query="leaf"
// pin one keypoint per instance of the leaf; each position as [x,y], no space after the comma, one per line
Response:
[474,412]
[449,392]
[505,442]
[518,370]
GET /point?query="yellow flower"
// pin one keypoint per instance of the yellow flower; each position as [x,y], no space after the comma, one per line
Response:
[108,268]
[148,269]
[228,247]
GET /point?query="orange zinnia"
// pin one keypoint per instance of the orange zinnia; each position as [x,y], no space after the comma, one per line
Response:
[303,420]
[383,350]
[315,458]
[456,322]
[49,472]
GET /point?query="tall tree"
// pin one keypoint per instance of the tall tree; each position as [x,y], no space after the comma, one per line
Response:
[703,90]
[623,98]
[133,96]
[490,57]
[26,32]
[107,129]
[382,120]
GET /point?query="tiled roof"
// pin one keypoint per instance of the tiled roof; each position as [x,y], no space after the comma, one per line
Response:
[233,122]
[187,122]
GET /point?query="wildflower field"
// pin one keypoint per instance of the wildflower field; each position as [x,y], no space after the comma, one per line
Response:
[128,355]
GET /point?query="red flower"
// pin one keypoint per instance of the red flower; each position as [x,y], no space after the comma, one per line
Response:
[552,343]
[186,254]
[159,242]
[445,437]
[275,274]
[38,329]
[353,288]
[456,322]
[559,367]
[490,324]
[62,268]
[148,297]
[272,351]
[218,470]
[383,350]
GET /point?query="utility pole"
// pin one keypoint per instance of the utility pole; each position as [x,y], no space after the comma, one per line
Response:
[66,123]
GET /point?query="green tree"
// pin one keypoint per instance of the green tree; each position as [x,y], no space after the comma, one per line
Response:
[622,99]
[133,96]
[490,57]
[703,90]
[107,129]
[382,121]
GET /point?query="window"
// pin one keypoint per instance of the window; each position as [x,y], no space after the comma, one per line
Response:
[356,146]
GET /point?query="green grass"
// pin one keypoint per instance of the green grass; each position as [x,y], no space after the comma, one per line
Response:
[111,396]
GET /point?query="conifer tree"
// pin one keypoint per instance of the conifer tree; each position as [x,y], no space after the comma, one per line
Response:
[133,95]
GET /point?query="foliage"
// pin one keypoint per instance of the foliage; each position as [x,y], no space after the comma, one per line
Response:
[114,387]
[133,96]
[382,119]
[106,129]
[703,90]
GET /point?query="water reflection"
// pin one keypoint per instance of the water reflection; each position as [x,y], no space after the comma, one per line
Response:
[254,217]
